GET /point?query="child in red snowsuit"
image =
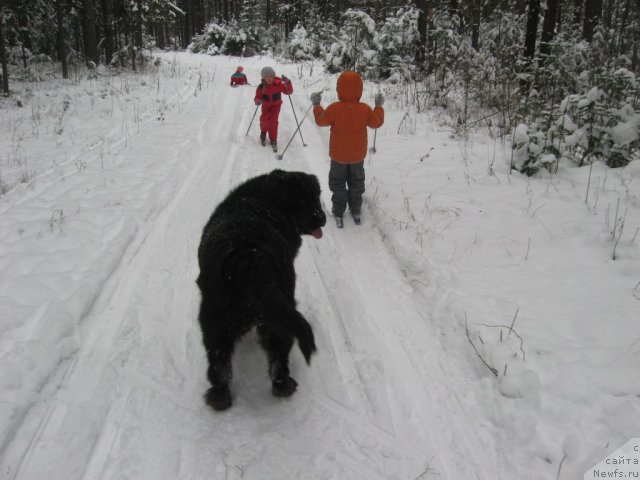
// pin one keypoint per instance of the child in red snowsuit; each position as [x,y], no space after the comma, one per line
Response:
[238,78]
[269,95]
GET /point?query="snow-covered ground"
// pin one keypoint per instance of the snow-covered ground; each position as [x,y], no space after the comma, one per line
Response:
[475,325]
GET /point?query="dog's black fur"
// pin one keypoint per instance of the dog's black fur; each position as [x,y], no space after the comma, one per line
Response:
[247,275]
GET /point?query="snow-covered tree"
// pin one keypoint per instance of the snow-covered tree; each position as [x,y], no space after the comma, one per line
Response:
[355,47]
[210,41]
[300,46]
[235,40]
[397,40]
[252,27]
[321,31]
[442,52]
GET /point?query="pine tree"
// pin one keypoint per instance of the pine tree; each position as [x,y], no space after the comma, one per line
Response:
[397,41]
[252,27]
[60,39]
[299,47]
[3,56]
[354,48]
[531,35]
[548,28]
[592,17]
[91,42]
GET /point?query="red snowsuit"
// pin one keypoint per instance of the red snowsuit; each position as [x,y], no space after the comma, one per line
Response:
[270,97]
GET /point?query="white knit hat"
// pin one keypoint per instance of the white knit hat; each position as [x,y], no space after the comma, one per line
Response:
[267,71]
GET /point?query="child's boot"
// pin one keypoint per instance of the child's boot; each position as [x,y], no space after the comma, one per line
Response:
[339,222]
[263,138]
[356,218]
[274,146]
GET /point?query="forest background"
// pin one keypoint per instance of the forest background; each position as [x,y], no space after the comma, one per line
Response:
[556,79]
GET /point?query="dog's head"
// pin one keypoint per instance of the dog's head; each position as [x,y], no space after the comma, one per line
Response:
[299,195]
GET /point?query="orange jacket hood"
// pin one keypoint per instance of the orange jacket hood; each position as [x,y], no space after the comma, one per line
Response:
[348,119]
[349,87]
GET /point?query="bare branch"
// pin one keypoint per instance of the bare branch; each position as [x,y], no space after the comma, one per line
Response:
[493,370]
[510,328]
[514,321]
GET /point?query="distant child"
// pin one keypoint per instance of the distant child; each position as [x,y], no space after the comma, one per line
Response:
[238,78]
[269,95]
[349,119]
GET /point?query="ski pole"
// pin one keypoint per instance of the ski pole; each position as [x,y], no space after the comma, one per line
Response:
[280,155]
[375,134]
[296,117]
[252,118]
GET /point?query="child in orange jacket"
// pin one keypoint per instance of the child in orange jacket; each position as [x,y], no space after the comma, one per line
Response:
[349,119]
[269,95]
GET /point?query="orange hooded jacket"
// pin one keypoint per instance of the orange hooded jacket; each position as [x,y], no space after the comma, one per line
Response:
[349,119]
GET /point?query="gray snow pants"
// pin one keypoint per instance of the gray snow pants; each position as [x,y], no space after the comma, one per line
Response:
[346,182]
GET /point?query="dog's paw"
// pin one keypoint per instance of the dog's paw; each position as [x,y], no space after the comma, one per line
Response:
[284,387]
[218,398]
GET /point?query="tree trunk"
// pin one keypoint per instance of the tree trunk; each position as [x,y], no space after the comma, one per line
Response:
[456,11]
[378,13]
[422,6]
[186,24]
[91,45]
[532,28]
[476,11]
[116,39]
[577,11]
[559,13]
[268,13]
[623,26]
[201,17]
[62,50]
[138,27]
[548,28]
[607,14]
[107,18]
[592,15]
[25,38]
[3,57]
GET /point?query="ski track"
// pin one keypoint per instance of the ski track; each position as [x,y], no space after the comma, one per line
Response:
[113,139]
[374,404]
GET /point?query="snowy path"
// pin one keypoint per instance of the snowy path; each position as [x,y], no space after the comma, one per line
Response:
[102,368]
[376,402]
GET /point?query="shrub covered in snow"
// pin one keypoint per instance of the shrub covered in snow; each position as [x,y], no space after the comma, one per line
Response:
[603,123]
[210,41]
[229,39]
[397,42]
[442,61]
[236,41]
[355,47]
[531,151]
[300,46]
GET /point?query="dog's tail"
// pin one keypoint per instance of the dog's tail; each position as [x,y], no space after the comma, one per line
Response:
[280,315]
[253,275]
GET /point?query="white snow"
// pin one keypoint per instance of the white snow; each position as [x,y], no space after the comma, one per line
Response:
[475,325]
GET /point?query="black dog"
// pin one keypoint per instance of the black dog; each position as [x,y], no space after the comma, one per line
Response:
[247,275]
